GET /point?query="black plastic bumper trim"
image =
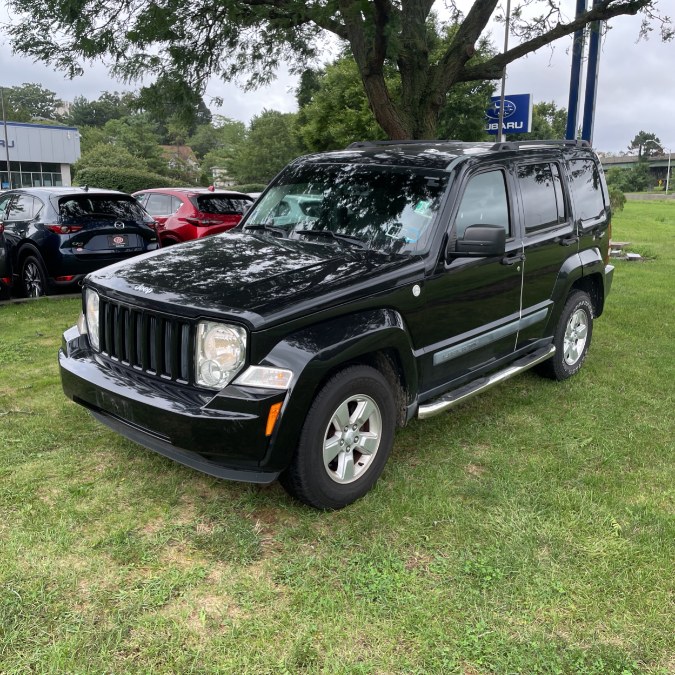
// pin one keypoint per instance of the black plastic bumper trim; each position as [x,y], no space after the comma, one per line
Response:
[185,457]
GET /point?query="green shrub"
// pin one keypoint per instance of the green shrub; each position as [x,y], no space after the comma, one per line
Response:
[249,187]
[616,198]
[125,180]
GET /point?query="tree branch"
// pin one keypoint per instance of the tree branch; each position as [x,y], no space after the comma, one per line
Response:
[492,68]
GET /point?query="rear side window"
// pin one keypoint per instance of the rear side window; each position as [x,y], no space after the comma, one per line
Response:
[484,203]
[159,205]
[541,190]
[587,189]
[220,205]
[88,207]
[24,207]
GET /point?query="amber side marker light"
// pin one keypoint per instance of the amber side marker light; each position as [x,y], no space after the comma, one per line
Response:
[275,409]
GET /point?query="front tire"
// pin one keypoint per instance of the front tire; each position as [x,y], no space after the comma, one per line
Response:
[33,278]
[572,338]
[345,441]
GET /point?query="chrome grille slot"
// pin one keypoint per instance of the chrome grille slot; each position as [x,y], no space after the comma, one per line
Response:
[154,343]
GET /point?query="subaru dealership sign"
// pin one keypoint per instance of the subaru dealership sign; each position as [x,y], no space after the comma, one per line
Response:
[517,114]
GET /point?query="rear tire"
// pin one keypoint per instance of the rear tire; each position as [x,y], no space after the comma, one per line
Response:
[345,441]
[33,278]
[572,338]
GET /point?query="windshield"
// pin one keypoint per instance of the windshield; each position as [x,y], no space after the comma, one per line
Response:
[384,208]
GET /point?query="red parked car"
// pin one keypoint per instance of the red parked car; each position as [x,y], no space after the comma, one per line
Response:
[190,213]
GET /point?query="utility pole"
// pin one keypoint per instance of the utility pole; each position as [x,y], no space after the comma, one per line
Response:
[4,124]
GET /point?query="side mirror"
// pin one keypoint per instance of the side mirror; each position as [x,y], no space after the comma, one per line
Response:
[480,241]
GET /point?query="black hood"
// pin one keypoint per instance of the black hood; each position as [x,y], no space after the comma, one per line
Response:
[256,277]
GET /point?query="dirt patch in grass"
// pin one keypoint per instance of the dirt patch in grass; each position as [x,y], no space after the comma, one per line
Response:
[475,470]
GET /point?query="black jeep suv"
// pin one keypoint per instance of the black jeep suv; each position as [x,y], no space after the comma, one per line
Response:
[55,236]
[413,276]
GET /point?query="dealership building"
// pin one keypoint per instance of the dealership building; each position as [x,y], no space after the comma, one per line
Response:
[38,154]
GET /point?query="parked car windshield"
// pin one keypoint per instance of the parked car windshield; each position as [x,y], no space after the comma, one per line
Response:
[384,208]
[79,207]
[221,205]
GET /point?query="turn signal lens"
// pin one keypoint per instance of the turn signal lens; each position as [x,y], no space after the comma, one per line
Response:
[266,378]
[275,409]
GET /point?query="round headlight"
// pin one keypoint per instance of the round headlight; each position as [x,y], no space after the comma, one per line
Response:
[221,352]
[91,302]
[223,345]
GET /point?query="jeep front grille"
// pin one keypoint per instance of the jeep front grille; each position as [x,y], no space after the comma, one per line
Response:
[154,343]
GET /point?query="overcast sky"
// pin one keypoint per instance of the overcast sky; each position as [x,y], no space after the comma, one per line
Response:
[636,89]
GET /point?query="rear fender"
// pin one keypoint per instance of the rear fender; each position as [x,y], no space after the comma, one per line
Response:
[316,352]
[584,265]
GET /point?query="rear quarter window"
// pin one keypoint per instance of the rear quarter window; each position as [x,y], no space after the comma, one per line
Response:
[541,190]
[586,185]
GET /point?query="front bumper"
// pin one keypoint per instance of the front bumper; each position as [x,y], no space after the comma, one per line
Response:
[220,434]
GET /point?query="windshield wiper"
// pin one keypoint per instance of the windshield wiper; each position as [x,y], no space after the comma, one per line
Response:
[353,241]
[268,228]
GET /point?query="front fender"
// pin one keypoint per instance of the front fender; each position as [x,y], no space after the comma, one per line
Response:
[315,352]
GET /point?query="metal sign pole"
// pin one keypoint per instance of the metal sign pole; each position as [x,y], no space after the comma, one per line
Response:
[500,129]
[4,123]
[575,77]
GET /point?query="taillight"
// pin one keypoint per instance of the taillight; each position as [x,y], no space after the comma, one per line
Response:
[202,222]
[63,229]
[609,242]
[2,228]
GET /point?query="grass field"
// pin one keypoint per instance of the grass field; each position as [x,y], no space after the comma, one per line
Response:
[530,531]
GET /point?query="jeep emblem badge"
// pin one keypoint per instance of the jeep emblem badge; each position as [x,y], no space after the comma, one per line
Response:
[143,289]
[416,290]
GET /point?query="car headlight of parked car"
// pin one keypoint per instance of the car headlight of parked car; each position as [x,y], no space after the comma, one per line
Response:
[220,353]
[91,303]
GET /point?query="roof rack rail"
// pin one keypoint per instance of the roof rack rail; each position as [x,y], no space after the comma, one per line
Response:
[372,144]
[517,145]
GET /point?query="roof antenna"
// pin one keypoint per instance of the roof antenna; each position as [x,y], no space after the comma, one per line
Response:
[86,188]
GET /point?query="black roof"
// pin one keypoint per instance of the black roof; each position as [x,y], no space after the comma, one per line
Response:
[429,154]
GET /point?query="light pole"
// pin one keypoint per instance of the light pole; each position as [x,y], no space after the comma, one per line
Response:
[649,140]
[4,122]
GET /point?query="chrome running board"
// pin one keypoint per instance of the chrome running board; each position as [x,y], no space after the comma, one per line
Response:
[457,396]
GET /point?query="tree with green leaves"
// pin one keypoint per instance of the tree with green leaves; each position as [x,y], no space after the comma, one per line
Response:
[109,155]
[269,145]
[334,110]
[138,135]
[647,145]
[175,106]
[548,122]
[95,113]
[230,38]
[31,102]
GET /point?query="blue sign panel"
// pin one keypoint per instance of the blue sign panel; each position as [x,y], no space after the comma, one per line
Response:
[517,114]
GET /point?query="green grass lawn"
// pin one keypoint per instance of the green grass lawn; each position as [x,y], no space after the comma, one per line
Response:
[532,530]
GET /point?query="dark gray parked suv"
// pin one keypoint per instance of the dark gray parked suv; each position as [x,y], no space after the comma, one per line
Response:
[365,288]
[54,236]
